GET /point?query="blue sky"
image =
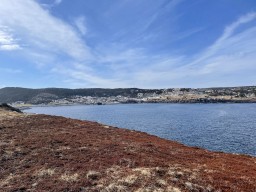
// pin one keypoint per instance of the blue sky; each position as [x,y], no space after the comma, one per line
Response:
[127,43]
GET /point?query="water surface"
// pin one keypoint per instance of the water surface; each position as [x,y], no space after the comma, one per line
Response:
[219,127]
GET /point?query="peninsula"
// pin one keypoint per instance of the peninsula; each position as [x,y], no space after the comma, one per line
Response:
[50,153]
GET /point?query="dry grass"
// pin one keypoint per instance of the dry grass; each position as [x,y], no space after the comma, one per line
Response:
[69,177]
[128,181]
[6,180]
[45,172]
[143,171]
[10,114]
[115,188]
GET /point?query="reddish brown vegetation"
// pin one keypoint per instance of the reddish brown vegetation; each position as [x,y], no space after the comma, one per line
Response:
[48,153]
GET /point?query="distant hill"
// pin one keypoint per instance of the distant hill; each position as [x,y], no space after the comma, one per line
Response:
[47,95]
[13,94]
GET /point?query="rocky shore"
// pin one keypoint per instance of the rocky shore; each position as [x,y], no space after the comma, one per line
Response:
[50,153]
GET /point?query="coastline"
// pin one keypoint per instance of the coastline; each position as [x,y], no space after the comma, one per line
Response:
[97,96]
[29,106]
[55,153]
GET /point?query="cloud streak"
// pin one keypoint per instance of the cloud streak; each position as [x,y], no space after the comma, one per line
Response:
[7,42]
[57,2]
[40,31]
[80,24]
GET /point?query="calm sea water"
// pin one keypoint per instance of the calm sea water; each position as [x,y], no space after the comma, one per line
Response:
[218,127]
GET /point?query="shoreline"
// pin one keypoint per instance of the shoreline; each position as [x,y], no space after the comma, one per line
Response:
[82,104]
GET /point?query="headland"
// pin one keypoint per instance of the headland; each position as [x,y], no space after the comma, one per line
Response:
[50,153]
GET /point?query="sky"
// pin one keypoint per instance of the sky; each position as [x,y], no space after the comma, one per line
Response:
[127,43]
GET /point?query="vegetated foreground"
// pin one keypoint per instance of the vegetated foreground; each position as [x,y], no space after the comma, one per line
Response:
[49,153]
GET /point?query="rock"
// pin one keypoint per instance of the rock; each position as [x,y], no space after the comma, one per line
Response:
[7,107]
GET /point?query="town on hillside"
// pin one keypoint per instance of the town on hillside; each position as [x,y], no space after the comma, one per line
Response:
[55,96]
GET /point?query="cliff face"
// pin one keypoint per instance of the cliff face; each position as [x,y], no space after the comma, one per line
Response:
[49,153]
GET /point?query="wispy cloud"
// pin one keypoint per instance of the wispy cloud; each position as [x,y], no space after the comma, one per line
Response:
[80,24]
[232,55]
[40,31]
[230,29]
[57,2]
[224,38]
[52,4]
[7,42]
[80,76]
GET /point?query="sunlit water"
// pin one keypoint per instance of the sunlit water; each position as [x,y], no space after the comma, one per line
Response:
[218,127]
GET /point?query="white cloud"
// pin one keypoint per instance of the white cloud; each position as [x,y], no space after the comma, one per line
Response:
[230,29]
[228,32]
[10,47]
[7,42]
[40,31]
[57,2]
[52,4]
[80,24]
[230,52]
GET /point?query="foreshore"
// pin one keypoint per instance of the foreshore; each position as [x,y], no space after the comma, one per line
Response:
[50,153]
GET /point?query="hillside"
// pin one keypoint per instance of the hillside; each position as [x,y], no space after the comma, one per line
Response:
[49,153]
[129,95]
[13,94]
